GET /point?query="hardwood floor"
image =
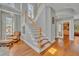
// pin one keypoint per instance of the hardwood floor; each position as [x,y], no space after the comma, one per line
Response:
[59,48]
[68,49]
[22,49]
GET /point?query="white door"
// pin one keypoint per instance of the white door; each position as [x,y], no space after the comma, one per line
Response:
[59,29]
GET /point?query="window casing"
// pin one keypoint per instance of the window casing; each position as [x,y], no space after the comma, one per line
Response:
[7,25]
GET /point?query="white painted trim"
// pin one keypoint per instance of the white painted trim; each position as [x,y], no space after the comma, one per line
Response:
[9,11]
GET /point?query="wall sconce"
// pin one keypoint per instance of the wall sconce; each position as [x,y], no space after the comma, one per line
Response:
[52,20]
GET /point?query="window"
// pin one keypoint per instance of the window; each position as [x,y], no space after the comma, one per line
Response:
[30,10]
[7,25]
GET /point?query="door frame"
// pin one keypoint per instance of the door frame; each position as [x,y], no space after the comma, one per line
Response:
[71,28]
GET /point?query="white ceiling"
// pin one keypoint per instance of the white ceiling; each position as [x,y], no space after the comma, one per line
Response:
[60,6]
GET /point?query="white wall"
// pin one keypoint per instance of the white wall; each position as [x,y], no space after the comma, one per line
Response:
[17,21]
[41,20]
[0,26]
[45,22]
[71,29]
[50,28]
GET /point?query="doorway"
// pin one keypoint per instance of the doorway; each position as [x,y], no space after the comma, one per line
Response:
[66,30]
[66,34]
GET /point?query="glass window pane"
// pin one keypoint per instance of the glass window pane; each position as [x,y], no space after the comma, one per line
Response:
[9,26]
[30,10]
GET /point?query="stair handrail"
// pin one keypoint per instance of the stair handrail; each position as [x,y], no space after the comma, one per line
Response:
[35,24]
[40,9]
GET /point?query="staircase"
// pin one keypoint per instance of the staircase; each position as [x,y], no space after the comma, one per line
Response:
[40,40]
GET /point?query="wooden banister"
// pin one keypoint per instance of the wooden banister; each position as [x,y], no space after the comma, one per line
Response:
[36,25]
[39,39]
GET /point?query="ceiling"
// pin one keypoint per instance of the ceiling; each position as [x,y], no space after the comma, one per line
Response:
[61,6]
